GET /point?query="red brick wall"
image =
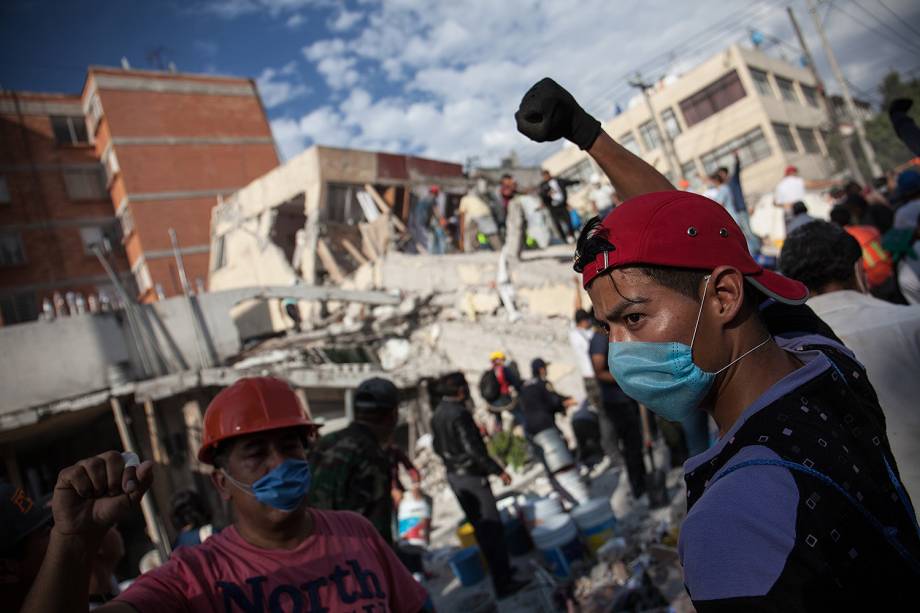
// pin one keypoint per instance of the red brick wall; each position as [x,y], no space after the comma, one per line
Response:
[190,218]
[53,254]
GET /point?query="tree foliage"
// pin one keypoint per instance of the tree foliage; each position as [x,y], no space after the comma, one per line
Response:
[889,150]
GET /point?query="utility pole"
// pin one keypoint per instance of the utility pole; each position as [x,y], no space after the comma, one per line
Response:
[847,151]
[670,154]
[845,90]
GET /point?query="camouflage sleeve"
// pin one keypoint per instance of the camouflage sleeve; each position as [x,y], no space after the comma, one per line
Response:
[369,492]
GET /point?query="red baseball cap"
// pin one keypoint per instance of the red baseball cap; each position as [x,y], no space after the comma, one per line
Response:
[791,170]
[683,230]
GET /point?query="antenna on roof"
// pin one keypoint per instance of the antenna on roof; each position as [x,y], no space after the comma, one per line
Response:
[125,64]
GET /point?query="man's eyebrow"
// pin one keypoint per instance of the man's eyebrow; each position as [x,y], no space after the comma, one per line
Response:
[616,312]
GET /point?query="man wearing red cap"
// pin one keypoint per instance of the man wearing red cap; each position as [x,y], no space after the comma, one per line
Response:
[279,555]
[799,505]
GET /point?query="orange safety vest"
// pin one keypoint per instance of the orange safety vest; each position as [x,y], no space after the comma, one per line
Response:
[876,261]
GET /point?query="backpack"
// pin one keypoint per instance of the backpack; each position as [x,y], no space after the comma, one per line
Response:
[489,387]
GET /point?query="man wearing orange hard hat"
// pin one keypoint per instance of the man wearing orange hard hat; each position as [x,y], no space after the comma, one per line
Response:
[278,555]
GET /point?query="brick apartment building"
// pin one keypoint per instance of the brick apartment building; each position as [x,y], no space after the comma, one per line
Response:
[53,205]
[157,149]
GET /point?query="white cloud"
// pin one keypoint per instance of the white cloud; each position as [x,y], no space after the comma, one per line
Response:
[344,20]
[231,9]
[276,91]
[295,21]
[457,70]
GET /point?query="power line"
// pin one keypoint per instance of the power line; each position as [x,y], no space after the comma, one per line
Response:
[905,44]
[897,18]
[698,42]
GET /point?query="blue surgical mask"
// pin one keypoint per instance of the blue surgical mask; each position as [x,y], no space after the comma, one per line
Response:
[284,487]
[663,376]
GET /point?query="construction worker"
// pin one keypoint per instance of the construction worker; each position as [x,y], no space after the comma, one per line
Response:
[278,555]
[351,469]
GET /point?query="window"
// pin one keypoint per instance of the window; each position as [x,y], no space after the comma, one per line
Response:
[809,140]
[762,82]
[751,147]
[671,125]
[18,308]
[4,191]
[69,130]
[12,252]
[628,141]
[92,236]
[787,89]
[580,172]
[126,219]
[342,204]
[85,184]
[651,138]
[142,276]
[712,98]
[220,254]
[784,136]
[110,163]
[95,112]
[811,95]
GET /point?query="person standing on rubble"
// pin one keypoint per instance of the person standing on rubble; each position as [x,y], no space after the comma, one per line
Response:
[799,505]
[553,192]
[476,218]
[468,463]
[278,550]
[427,222]
[351,467]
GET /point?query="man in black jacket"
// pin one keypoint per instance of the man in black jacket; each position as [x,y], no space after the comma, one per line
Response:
[458,442]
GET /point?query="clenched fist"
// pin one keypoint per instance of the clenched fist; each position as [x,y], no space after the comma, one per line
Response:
[94,493]
[548,112]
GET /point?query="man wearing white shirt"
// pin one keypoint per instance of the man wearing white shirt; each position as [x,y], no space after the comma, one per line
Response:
[885,337]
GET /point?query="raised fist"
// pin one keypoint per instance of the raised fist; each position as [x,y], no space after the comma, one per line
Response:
[548,112]
[94,493]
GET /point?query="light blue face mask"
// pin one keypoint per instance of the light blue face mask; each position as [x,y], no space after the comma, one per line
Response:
[284,487]
[663,376]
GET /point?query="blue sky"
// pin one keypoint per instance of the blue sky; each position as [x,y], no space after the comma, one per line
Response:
[421,76]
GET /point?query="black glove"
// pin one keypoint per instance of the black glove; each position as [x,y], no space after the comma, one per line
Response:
[548,112]
[900,105]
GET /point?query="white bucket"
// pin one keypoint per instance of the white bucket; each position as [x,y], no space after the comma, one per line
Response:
[537,512]
[571,482]
[596,522]
[557,539]
[555,451]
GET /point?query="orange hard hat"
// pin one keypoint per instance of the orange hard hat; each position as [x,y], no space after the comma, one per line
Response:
[253,404]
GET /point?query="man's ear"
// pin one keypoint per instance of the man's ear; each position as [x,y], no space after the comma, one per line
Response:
[219,479]
[728,288]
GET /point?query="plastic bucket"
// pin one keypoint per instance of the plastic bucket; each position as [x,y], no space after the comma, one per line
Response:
[570,481]
[555,452]
[536,512]
[596,522]
[557,540]
[467,567]
[466,535]
[414,517]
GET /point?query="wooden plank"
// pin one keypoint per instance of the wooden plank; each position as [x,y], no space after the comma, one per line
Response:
[328,260]
[384,207]
[353,251]
[367,242]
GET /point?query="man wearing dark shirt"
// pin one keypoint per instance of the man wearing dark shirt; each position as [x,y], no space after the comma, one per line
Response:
[540,401]
[622,412]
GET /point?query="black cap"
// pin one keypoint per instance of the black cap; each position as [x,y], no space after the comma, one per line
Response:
[536,365]
[376,394]
[20,516]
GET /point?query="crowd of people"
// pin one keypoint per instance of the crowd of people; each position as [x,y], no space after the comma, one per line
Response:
[807,379]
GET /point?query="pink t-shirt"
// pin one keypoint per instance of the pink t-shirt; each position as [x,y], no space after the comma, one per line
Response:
[343,567]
